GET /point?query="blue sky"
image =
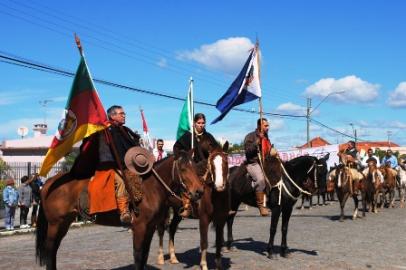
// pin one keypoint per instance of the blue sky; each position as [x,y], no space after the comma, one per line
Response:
[309,49]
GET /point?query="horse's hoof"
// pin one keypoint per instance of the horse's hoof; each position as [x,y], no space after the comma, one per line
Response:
[204,267]
[160,260]
[270,256]
[341,219]
[173,261]
[228,249]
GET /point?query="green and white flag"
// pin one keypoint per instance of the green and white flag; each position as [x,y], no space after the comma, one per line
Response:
[186,116]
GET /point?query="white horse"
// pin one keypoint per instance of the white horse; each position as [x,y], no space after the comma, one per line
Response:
[401,169]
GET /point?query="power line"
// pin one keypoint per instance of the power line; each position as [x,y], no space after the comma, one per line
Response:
[108,44]
[47,68]
[335,130]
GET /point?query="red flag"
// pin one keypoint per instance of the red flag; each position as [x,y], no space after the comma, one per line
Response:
[83,115]
[144,123]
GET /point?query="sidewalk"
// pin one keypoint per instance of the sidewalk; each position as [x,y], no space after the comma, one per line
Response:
[18,230]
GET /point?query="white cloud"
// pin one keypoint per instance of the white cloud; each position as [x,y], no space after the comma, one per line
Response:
[398,97]
[12,97]
[163,63]
[291,108]
[355,89]
[227,55]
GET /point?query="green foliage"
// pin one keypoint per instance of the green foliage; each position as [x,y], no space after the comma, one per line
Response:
[2,186]
[69,160]
[3,169]
[236,148]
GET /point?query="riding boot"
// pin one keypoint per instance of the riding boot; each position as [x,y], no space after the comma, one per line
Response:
[260,196]
[186,209]
[125,216]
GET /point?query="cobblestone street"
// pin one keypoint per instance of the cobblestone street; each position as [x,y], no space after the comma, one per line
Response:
[317,240]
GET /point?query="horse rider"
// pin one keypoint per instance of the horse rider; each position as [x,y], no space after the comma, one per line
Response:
[200,150]
[113,143]
[353,162]
[370,157]
[254,143]
[391,160]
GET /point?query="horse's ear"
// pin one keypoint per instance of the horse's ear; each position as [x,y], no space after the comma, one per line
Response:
[326,157]
[225,146]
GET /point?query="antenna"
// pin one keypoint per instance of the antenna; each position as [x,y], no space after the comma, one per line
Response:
[44,104]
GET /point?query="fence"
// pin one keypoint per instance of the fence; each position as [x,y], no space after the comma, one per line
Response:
[16,170]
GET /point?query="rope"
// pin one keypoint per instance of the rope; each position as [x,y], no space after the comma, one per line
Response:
[290,179]
[164,184]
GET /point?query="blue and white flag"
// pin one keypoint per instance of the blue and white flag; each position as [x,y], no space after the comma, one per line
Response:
[245,88]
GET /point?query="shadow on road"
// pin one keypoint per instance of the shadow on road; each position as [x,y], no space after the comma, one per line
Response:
[261,247]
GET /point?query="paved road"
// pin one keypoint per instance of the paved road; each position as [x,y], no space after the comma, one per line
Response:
[317,240]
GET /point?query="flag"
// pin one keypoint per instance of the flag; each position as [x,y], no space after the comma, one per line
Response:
[186,116]
[146,139]
[83,115]
[246,87]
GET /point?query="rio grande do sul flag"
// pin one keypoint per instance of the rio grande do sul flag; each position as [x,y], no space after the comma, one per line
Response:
[83,115]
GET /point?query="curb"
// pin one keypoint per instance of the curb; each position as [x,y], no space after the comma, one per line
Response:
[17,231]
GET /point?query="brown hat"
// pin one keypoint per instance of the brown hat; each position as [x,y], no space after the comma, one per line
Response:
[139,160]
[10,182]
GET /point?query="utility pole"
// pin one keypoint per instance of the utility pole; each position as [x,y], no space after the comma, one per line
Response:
[44,104]
[309,106]
[389,134]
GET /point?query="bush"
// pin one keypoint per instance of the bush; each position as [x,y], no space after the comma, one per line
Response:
[2,186]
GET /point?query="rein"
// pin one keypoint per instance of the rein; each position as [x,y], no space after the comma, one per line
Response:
[175,165]
[281,185]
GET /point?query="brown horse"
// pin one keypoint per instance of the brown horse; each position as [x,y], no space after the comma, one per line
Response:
[371,187]
[347,184]
[389,185]
[60,197]
[213,207]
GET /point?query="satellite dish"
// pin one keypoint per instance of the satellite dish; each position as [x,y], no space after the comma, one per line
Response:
[22,131]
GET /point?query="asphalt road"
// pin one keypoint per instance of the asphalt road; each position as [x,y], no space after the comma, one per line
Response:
[317,240]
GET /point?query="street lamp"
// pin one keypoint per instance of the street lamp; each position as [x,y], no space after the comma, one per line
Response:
[309,111]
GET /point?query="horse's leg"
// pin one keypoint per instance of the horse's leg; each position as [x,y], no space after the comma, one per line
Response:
[230,238]
[286,213]
[204,227]
[139,236]
[364,202]
[276,211]
[230,222]
[343,200]
[172,231]
[355,214]
[303,200]
[161,232]
[392,198]
[310,201]
[147,244]
[219,221]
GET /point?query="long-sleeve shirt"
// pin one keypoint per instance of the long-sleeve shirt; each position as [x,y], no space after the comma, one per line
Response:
[10,196]
[25,195]
[392,160]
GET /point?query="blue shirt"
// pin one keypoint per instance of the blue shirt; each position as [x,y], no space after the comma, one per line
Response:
[392,159]
[10,196]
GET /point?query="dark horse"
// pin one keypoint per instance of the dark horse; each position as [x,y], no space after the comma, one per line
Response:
[213,207]
[297,176]
[60,205]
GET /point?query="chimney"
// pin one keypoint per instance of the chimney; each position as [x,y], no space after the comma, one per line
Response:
[40,130]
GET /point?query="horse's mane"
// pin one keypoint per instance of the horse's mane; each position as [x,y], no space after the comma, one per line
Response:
[297,160]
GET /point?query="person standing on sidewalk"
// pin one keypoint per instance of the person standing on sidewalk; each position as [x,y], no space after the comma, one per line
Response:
[24,201]
[10,198]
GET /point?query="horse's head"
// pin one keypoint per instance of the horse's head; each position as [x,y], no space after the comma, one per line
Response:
[217,167]
[316,173]
[272,168]
[188,177]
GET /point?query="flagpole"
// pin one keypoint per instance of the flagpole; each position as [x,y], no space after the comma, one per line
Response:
[191,111]
[80,48]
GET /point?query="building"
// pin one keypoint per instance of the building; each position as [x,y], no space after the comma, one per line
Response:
[315,142]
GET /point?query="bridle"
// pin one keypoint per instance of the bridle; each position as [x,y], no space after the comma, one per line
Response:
[282,186]
[175,169]
[208,176]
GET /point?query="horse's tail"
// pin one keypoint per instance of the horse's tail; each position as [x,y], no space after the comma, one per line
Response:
[41,237]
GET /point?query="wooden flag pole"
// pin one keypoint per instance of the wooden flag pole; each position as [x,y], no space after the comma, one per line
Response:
[77,40]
